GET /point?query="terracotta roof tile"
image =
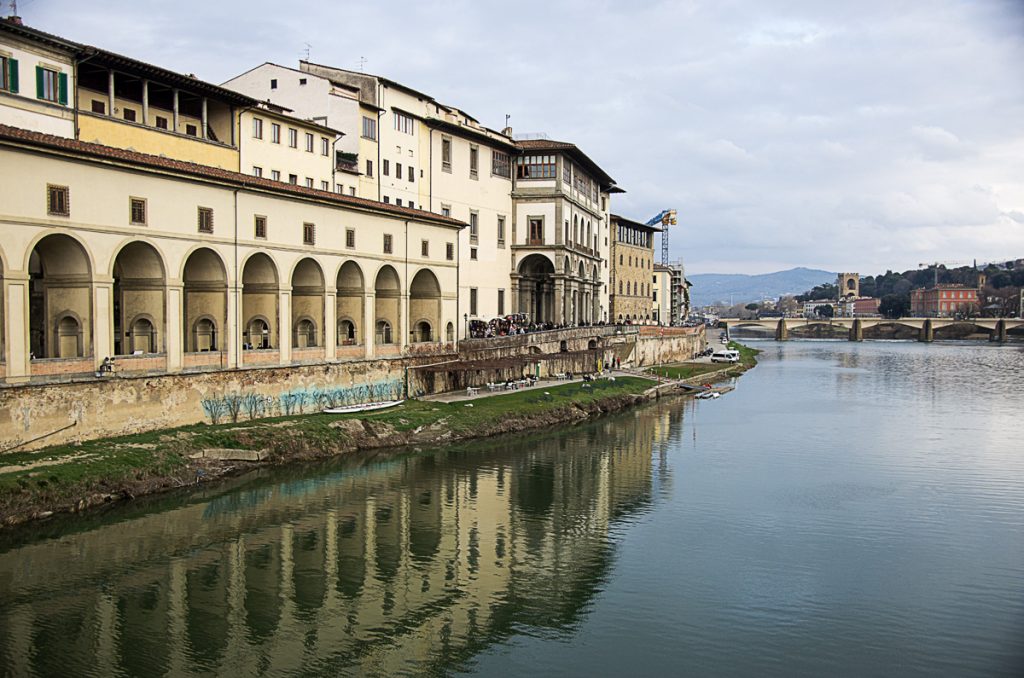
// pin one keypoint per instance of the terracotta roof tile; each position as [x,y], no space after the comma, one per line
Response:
[192,169]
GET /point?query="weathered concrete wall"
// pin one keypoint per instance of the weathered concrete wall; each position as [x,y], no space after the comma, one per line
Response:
[671,344]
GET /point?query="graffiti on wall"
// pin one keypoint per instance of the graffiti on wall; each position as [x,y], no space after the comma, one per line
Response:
[233,406]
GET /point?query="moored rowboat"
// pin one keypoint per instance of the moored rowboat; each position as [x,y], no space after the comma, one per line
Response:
[362,407]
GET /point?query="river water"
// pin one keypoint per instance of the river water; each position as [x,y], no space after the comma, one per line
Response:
[848,510]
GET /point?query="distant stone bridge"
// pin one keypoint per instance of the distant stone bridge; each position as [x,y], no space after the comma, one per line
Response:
[998,327]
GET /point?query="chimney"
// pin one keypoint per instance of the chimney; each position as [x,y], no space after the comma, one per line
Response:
[507,131]
[16,20]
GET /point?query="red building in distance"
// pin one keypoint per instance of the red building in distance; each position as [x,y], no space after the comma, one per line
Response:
[943,301]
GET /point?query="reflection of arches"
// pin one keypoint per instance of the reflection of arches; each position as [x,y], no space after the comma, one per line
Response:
[449,333]
[346,332]
[307,303]
[205,291]
[537,287]
[260,291]
[387,312]
[383,332]
[350,300]
[139,279]
[69,336]
[425,304]
[60,286]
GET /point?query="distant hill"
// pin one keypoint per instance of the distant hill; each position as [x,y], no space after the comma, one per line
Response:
[709,288]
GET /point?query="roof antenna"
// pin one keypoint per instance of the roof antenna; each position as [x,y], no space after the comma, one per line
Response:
[362,62]
[308,46]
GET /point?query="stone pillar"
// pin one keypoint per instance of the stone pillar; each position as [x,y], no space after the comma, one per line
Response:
[174,334]
[999,333]
[369,330]
[145,102]
[16,327]
[110,93]
[204,119]
[284,325]
[781,331]
[927,333]
[175,110]
[102,321]
[514,301]
[233,331]
[403,321]
[331,323]
[856,330]
[559,300]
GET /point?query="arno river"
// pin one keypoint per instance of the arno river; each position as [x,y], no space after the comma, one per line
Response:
[849,510]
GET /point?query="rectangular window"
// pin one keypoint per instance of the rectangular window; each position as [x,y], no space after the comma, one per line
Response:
[412,174]
[257,128]
[260,226]
[424,248]
[352,191]
[474,164]
[449,251]
[137,211]
[446,210]
[191,130]
[9,74]
[369,128]
[472,301]
[51,85]
[98,107]
[58,200]
[500,165]
[398,170]
[566,172]
[326,185]
[293,179]
[257,171]
[474,231]
[536,236]
[309,142]
[388,246]
[501,302]
[385,167]
[293,137]
[387,199]
[275,175]
[205,218]
[369,168]
[398,201]
[273,83]
[161,122]
[501,231]
[403,123]
[446,154]
[350,237]
[325,146]
[275,133]
[129,114]
[535,167]
[411,204]
[472,253]
[309,182]
[308,234]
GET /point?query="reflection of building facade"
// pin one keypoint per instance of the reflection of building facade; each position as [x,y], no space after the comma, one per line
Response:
[392,567]
[632,271]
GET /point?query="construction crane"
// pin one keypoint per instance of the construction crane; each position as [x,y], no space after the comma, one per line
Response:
[666,218]
[944,264]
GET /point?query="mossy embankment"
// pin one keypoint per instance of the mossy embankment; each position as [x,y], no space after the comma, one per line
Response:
[693,371]
[71,478]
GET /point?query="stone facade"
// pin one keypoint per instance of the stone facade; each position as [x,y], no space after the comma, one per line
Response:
[632,278]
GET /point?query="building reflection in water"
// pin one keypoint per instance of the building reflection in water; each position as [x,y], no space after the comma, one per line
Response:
[411,563]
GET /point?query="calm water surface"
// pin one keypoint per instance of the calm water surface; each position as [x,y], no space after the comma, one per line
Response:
[849,510]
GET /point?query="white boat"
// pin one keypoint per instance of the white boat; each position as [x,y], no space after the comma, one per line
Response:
[362,407]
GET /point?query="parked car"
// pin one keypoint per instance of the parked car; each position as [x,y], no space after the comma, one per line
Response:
[725,355]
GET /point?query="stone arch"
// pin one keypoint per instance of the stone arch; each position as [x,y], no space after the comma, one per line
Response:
[388,304]
[307,302]
[351,288]
[260,302]
[68,331]
[60,273]
[592,345]
[449,333]
[139,274]
[205,282]
[537,287]
[424,304]
[581,272]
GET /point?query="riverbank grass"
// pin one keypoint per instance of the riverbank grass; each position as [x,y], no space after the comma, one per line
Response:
[53,476]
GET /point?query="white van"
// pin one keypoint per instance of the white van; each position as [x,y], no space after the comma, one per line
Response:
[725,355]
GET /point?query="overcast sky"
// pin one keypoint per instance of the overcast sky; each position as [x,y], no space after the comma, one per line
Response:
[853,136]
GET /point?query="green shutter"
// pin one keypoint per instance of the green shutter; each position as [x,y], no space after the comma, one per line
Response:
[62,89]
[12,80]
[39,82]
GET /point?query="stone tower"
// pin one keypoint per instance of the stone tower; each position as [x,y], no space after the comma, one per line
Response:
[849,285]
